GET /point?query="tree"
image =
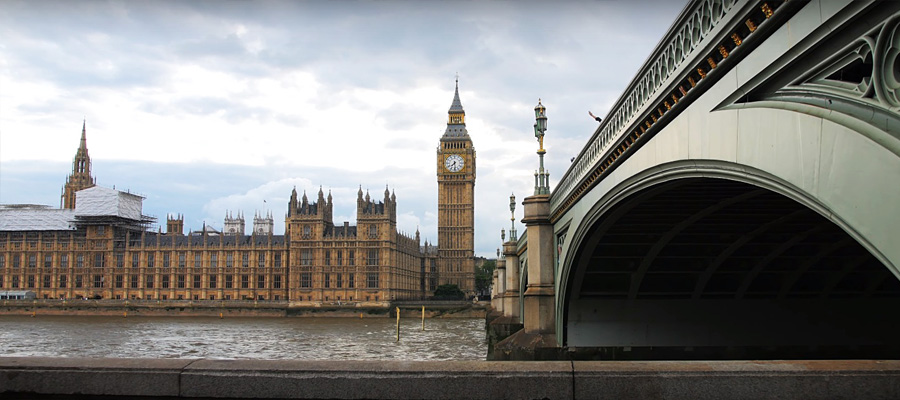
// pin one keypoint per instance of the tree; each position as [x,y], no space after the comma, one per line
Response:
[449,292]
[484,276]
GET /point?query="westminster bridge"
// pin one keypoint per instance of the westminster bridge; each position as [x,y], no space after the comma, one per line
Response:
[739,200]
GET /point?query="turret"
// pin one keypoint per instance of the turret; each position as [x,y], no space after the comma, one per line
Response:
[263,224]
[292,204]
[175,225]
[234,225]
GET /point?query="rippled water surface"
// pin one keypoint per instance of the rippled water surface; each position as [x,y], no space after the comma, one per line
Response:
[243,338]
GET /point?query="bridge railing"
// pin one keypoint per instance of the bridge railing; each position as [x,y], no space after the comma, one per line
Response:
[673,53]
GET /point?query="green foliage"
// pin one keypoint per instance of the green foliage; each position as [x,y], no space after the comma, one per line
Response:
[449,292]
[484,275]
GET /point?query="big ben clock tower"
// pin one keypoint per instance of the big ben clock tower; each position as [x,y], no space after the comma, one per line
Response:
[456,201]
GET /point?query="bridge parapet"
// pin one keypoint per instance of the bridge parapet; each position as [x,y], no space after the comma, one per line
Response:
[703,36]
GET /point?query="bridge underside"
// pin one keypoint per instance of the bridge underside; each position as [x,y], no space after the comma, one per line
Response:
[712,268]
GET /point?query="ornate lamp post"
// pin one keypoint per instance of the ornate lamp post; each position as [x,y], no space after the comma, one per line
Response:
[512,218]
[541,178]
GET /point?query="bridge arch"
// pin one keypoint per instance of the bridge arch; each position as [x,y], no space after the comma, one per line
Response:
[747,261]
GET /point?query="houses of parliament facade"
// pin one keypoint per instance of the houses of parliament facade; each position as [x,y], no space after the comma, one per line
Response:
[98,244]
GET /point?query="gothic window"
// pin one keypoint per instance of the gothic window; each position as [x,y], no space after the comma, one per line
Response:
[214,260]
[260,281]
[48,260]
[372,280]
[32,261]
[15,281]
[327,257]
[350,281]
[245,281]
[134,281]
[276,281]
[64,261]
[340,257]
[306,257]
[197,281]
[306,232]
[181,260]
[229,281]
[327,280]
[120,260]
[229,260]
[373,257]
[135,259]
[16,260]
[212,281]
[46,282]
[197,260]
[181,281]
[62,281]
[148,281]
[2,261]
[120,281]
[165,281]
[167,259]
[337,281]
[151,260]
[261,260]
[305,279]
[98,281]
[98,260]
[373,231]
[277,260]
[245,259]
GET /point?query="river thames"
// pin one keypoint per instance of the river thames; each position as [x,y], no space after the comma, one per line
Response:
[243,338]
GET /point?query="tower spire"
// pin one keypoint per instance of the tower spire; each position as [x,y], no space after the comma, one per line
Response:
[81,172]
[456,120]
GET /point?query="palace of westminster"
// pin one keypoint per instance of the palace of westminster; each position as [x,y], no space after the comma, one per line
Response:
[100,245]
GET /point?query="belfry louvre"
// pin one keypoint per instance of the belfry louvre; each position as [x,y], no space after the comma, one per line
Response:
[98,244]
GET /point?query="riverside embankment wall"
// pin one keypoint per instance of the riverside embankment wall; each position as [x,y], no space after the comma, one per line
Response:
[213,379]
[39,308]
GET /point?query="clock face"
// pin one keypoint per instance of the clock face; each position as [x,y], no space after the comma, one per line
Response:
[454,163]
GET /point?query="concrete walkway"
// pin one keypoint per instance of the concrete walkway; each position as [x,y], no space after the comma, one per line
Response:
[184,378]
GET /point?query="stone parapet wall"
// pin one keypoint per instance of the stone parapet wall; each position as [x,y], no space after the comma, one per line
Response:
[183,378]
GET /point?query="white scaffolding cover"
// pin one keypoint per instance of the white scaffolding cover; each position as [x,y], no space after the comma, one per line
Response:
[99,201]
[35,219]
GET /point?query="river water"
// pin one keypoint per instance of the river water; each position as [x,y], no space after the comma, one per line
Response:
[243,338]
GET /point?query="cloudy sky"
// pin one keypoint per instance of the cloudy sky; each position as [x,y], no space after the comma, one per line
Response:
[204,107]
